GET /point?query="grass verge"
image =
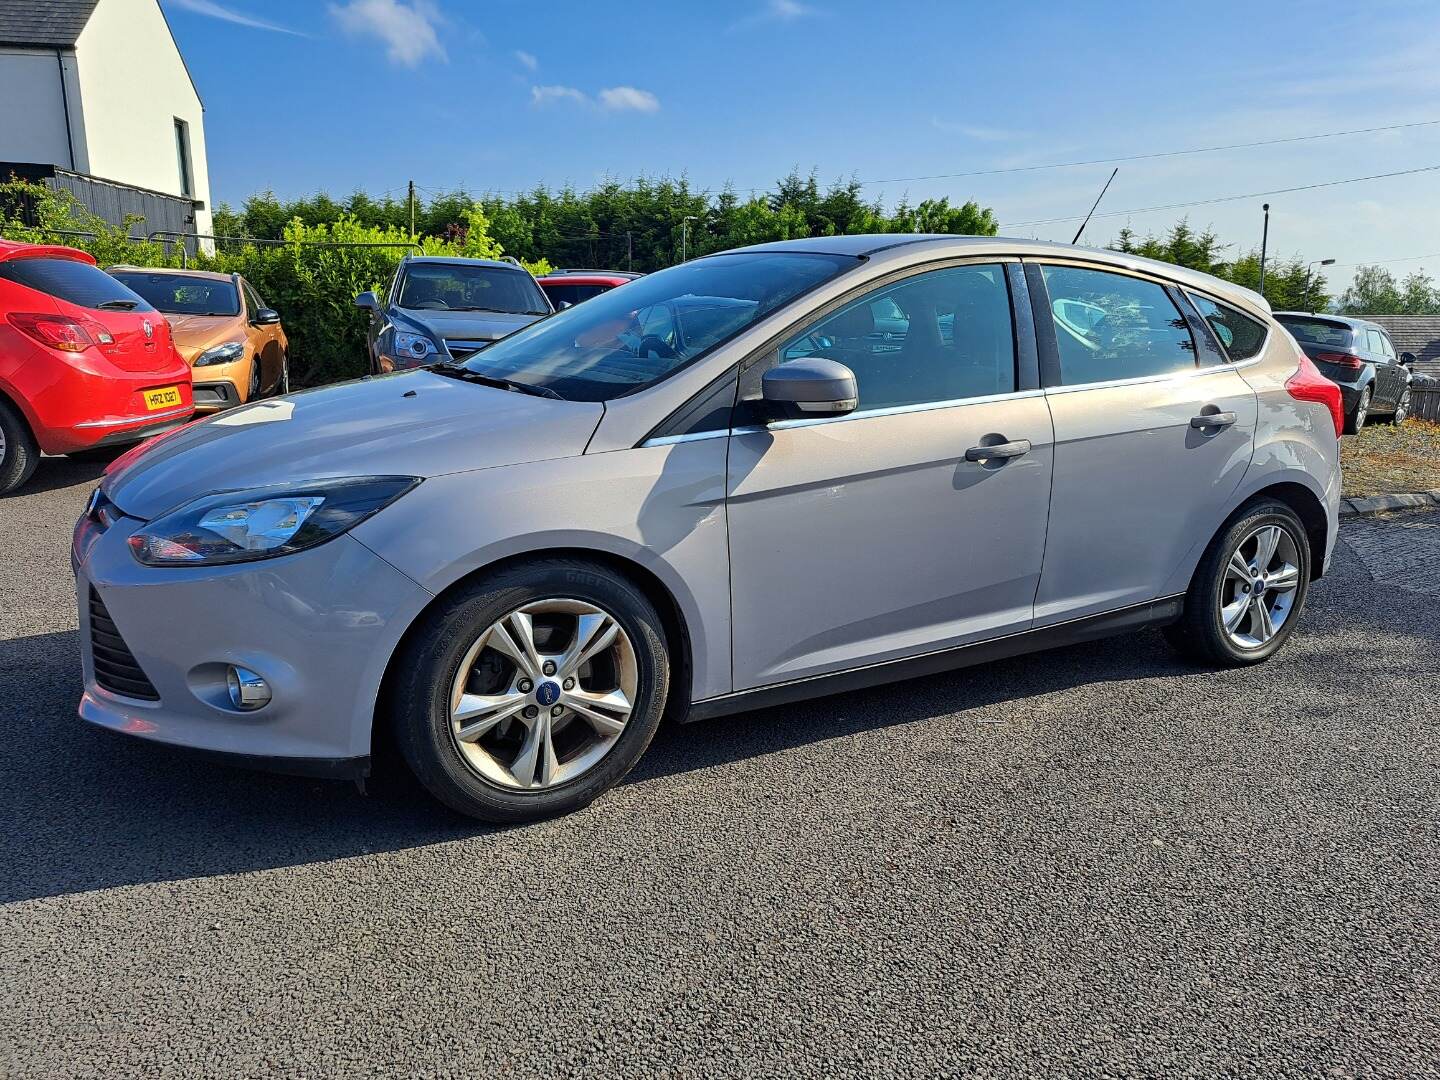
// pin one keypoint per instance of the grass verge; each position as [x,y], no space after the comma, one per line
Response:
[1391,459]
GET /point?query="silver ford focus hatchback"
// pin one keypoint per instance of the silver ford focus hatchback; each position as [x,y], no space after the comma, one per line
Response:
[778,472]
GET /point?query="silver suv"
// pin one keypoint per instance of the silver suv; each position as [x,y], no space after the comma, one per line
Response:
[759,476]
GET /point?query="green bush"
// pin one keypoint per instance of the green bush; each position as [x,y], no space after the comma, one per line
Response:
[311,275]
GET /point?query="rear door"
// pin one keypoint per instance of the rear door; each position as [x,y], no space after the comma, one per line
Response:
[1389,377]
[874,536]
[1154,429]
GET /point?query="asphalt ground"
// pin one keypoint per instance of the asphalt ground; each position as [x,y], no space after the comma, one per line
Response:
[1091,862]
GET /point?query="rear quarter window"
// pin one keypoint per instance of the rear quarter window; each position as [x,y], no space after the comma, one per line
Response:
[72,281]
[1242,336]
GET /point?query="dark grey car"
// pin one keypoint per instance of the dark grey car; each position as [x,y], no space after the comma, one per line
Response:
[440,308]
[1360,357]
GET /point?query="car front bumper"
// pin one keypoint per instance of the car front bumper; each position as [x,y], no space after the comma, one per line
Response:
[213,395]
[320,626]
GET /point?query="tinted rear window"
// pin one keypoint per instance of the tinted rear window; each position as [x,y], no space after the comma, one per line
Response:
[181,295]
[76,282]
[1316,331]
[573,294]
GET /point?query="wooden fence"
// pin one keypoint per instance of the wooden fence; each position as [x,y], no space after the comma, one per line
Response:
[1425,401]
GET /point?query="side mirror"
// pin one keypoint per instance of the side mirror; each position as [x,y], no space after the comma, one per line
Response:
[563,304]
[811,386]
[266,316]
[1407,358]
[367,300]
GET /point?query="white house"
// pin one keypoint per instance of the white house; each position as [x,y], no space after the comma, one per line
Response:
[95,97]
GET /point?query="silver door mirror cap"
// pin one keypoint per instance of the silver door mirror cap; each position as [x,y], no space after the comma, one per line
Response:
[813,385]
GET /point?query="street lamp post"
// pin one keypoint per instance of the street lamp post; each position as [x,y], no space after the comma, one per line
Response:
[1308,270]
[685,235]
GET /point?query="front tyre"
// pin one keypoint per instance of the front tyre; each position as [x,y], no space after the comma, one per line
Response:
[1248,591]
[532,692]
[19,453]
[1402,407]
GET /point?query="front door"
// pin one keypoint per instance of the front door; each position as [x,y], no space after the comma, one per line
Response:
[1141,477]
[873,536]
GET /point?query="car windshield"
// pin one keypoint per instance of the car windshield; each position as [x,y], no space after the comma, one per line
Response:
[627,339]
[1317,331]
[464,287]
[175,294]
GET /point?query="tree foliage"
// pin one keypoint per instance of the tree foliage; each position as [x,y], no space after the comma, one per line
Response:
[1374,291]
[1289,285]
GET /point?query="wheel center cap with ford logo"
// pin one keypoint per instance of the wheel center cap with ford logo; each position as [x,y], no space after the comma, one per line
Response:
[547,693]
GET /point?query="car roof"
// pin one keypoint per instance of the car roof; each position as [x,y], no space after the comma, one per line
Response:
[594,272]
[578,277]
[940,245]
[208,275]
[15,249]
[456,260]
[1338,320]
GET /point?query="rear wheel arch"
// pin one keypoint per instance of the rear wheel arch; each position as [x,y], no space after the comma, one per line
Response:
[677,634]
[1308,508]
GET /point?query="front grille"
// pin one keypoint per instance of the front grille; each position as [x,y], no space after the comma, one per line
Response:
[115,668]
[461,350]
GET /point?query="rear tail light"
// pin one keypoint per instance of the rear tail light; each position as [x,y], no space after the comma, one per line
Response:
[61,332]
[1341,359]
[1307,384]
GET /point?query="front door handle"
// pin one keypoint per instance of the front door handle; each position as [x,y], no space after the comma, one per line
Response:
[999,450]
[1213,420]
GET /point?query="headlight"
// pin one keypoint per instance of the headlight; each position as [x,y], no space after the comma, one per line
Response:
[221,354]
[414,346]
[241,526]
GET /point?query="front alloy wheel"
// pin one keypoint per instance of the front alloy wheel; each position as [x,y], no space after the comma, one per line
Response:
[1402,407]
[532,691]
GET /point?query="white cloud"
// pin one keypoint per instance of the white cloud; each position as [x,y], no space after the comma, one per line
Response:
[775,11]
[408,30]
[544,95]
[527,59]
[611,99]
[219,11]
[619,98]
[972,131]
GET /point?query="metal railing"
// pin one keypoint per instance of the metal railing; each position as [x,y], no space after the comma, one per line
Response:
[171,238]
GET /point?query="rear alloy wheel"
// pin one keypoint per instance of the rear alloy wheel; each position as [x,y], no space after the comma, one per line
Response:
[1402,407]
[1248,589]
[532,693]
[1356,420]
[19,454]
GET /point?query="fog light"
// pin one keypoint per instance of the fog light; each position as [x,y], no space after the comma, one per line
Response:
[248,691]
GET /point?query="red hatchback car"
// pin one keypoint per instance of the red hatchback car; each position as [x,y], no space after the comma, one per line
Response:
[566,288]
[84,362]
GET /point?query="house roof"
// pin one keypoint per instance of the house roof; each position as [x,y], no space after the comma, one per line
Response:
[1418,334]
[51,24]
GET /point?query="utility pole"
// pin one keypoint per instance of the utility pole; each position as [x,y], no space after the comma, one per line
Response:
[412,210]
[628,250]
[685,235]
[1264,243]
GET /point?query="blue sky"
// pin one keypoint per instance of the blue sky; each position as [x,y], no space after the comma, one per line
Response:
[499,94]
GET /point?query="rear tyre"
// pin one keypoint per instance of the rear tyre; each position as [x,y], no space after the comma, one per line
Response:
[532,692]
[282,385]
[1248,591]
[253,393]
[1356,420]
[19,453]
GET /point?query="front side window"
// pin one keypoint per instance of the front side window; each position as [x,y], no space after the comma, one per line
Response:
[74,281]
[1387,348]
[1242,336]
[1111,326]
[945,335]
[177,295]
[630,338]
[462,287]
[252,299]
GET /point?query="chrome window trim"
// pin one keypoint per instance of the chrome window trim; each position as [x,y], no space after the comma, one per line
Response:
[858,414]
[1168,376]
[1191,294]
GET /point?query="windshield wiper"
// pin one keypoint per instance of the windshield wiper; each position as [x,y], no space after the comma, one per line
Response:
[455,371]
[118,305]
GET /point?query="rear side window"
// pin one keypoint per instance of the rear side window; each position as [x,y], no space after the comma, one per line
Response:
[1242,336]
[573,294]
[75,282]
[1110,326]
[1317,331]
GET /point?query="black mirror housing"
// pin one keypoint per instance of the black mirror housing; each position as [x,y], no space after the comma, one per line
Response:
[1407,358]
[367,301]
[266,316]
[812,386]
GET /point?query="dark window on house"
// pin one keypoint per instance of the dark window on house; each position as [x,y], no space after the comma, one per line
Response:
[182,158]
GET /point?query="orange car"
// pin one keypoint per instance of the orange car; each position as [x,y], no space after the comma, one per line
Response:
[234,344]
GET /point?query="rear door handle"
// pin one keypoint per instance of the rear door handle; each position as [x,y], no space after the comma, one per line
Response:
[999,450]
[1213,420]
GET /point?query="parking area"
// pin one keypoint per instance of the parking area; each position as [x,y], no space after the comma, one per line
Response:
[1091,861]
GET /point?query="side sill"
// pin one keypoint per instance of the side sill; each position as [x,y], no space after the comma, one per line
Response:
[1123,620]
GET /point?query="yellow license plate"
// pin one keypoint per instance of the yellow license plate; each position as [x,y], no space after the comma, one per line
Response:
[164,398]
